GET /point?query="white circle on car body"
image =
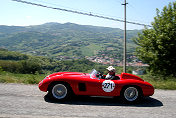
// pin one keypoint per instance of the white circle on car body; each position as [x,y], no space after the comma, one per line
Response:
[108,85]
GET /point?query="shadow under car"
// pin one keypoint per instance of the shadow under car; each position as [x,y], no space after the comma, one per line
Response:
[105,101]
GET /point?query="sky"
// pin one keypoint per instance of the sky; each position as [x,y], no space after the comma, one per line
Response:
[140,11]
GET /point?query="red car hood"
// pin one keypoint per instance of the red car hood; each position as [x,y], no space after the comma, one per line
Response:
[67,73]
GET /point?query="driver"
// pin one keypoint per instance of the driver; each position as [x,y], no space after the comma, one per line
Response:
[111,73]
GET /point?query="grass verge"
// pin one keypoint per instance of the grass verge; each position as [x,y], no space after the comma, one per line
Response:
[6,77]
[160,82]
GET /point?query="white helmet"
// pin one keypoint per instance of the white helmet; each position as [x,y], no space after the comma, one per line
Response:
[111,68]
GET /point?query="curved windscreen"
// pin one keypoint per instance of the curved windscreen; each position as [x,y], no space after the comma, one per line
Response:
[93,74]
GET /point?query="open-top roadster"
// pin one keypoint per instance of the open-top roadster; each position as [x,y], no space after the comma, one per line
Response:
[63,85]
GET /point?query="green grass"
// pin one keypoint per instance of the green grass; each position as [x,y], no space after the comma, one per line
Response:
[158,82]
[6,77]
[164,84]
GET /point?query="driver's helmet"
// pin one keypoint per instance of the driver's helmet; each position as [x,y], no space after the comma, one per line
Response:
[111,68]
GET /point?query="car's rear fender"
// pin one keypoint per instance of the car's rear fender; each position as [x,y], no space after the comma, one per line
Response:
[130,76]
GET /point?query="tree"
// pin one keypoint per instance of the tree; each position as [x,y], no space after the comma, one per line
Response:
[157,46]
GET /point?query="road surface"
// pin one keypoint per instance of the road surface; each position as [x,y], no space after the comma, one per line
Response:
[27,101]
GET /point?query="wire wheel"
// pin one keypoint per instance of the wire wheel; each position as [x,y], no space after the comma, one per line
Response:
[131,94]
[59,91]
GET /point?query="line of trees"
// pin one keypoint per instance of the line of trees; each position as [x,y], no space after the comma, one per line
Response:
[20,63]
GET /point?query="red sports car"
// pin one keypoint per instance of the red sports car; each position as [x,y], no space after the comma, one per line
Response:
[62,85]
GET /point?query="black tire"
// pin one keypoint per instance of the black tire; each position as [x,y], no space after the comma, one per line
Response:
[130,94]
[60,91]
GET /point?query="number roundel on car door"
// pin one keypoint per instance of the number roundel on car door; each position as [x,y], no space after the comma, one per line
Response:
[108,85]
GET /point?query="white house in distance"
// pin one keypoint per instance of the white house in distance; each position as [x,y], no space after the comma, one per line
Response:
[138,72]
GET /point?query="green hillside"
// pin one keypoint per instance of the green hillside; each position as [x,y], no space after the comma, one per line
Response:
[72,40]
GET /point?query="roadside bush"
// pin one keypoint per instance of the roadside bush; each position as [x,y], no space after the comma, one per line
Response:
[25,66]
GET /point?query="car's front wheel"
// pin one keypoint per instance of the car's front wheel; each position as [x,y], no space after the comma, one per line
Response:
[130,94]
[60,91]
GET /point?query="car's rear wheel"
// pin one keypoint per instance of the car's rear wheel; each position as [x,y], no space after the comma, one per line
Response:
[130,94]
[60,91]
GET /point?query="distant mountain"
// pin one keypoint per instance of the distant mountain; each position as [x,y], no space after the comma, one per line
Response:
[71,40]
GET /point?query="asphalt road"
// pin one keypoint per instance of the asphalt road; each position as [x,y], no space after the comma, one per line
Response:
[26,101]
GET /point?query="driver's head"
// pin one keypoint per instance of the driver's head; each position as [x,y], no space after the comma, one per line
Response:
[111,69]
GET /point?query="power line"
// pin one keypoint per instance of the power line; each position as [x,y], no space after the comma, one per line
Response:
[74,9]
[82,13]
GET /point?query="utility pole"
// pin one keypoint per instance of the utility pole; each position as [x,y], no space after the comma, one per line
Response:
[124,43]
